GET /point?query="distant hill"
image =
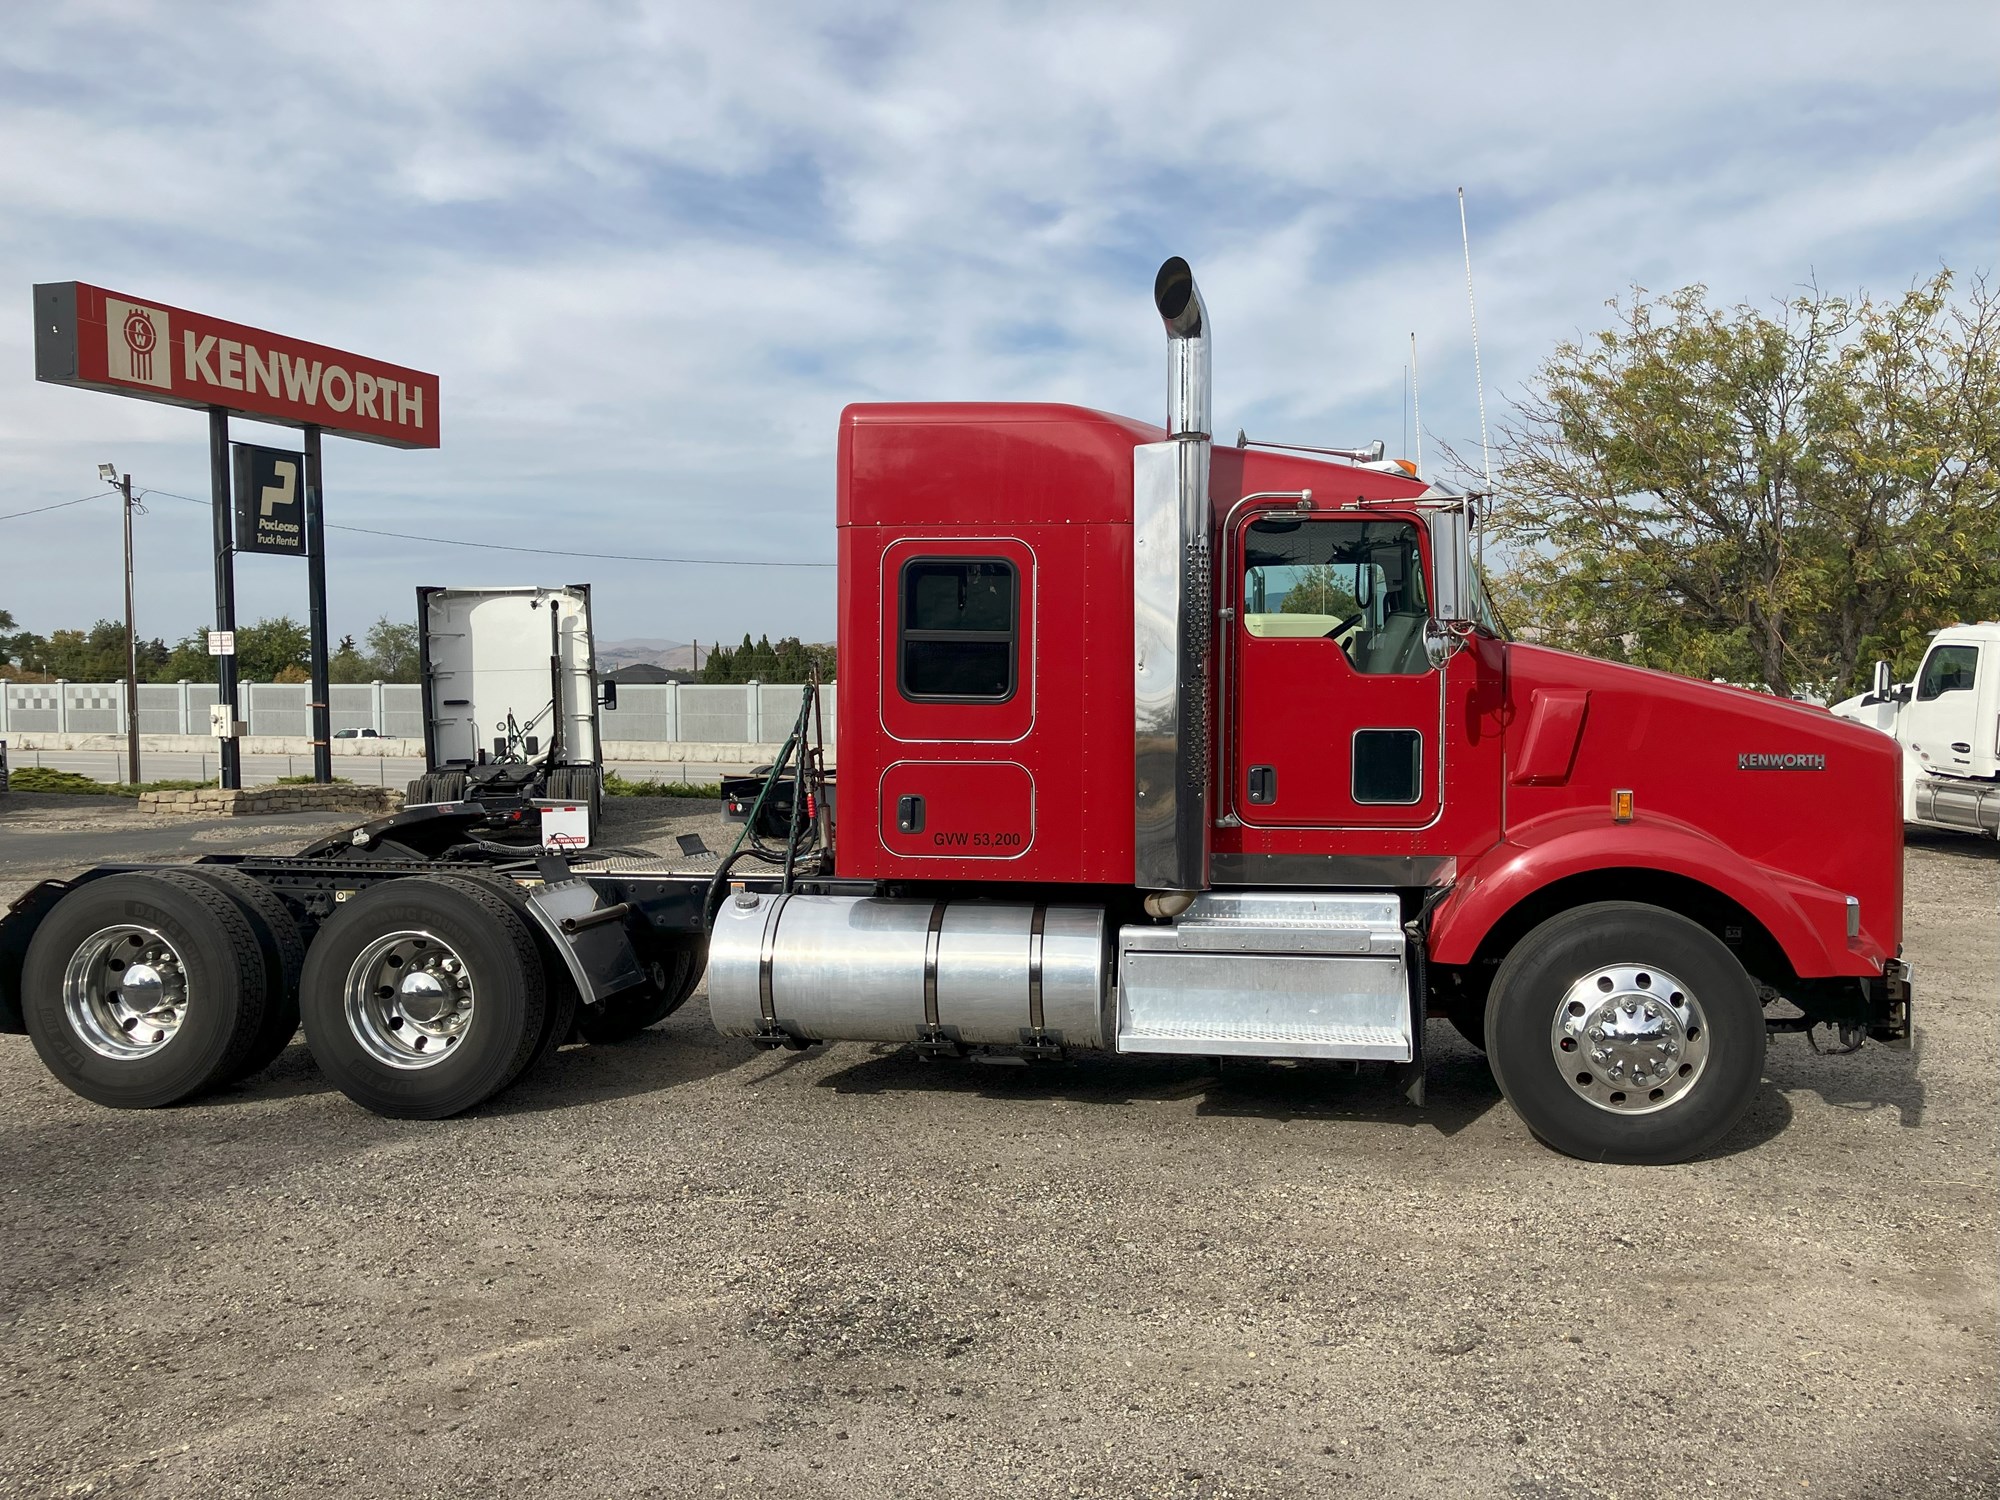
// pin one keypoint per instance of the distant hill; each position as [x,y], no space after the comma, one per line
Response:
[646,651]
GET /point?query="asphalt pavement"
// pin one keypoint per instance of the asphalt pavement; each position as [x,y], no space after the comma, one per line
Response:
[682,1266]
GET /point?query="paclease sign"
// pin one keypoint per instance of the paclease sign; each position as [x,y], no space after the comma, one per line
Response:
[108,341]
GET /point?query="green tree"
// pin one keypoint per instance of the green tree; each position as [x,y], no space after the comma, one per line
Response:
[788,661]
[1764,499]
[392,650]
[189,661]
[347,664]
[1318,591]
[266,649]
[93,655]
[720,664]
[13,640]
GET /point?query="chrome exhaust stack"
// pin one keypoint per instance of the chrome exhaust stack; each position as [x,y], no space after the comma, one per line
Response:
[1186,317]
[1171,606]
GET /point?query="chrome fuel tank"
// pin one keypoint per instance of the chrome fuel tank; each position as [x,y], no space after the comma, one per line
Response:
[859,968]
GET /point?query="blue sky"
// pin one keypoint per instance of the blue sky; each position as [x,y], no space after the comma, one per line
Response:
[652,250]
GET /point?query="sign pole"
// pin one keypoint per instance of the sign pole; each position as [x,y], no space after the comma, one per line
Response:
[322,717]
[131,650]
[225,588]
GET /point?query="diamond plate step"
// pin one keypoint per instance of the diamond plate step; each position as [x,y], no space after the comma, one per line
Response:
[1270,975]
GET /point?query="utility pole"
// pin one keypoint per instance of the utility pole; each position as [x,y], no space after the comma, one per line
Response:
[110,475]
[131,650]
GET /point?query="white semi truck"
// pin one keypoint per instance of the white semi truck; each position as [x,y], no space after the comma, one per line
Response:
[510,696]
[1947,719]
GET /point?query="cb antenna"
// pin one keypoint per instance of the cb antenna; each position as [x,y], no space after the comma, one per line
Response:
[1478,375]
[1416,405]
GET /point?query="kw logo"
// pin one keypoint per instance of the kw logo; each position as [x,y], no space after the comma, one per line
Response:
[1747,760]
[132,336]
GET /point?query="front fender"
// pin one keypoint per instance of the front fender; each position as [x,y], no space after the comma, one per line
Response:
[1808,921]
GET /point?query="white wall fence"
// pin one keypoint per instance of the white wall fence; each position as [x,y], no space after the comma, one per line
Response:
[667,713]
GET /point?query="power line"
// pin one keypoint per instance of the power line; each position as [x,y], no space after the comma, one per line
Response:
[59,505]
[719,562]
[453,541]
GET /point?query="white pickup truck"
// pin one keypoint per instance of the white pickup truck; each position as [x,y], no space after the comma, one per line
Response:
[1948,723]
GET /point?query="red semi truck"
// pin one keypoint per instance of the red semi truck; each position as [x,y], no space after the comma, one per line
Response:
[1147,745]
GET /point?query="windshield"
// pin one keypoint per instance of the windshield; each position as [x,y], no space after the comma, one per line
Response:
[1481,606]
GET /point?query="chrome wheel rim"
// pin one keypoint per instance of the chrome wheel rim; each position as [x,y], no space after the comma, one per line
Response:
[125,993]
[409,1000]
[1630,1039]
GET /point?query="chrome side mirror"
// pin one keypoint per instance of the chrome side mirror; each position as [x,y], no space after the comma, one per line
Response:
[1882,681]
[1439,643]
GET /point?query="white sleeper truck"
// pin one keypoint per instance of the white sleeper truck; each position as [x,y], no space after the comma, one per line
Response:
[1948,722]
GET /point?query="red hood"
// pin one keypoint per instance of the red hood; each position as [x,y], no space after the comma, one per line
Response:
[1813,799]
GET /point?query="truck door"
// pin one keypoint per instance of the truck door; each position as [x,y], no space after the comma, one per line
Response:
[1938,723]
[1337,709]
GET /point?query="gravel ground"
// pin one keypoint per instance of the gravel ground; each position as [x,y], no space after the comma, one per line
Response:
[680,1266]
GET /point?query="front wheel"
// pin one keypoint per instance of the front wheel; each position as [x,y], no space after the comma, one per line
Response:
[1625,1033]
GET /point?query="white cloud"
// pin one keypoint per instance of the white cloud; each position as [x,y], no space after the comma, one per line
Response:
[652,249]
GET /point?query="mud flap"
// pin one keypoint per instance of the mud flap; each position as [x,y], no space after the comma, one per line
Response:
[598,954]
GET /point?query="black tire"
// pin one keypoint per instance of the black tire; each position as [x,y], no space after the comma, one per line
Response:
[1720,1008]
[284,953]
[479,928]
[214,945]
[450,786]
[675,971]
[418,792]
[559,1019]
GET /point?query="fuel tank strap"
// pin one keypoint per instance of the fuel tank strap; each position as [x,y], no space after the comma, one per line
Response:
[932,941]
[766,952]
[1035,929]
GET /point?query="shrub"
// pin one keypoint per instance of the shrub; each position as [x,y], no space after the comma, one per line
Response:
[617,786]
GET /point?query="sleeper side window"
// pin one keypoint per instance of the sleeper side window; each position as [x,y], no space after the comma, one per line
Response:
[959,636]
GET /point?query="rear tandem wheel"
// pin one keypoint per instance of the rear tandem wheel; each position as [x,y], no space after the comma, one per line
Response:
[672,976]
[141,990]
[284,952]
[424,996]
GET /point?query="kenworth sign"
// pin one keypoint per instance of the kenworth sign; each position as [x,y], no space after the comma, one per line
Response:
[109,341]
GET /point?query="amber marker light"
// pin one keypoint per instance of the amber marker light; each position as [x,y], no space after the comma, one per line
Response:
[1621,807]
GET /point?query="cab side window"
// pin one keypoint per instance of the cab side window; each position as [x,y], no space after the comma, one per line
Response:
[959,636]
[1948,669]
[1359,584]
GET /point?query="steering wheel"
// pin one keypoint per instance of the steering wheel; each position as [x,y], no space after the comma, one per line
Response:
[1343,627]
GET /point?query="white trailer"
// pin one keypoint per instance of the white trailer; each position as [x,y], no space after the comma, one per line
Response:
[1947,719]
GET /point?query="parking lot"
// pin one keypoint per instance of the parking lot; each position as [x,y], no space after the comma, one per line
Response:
[682,1266]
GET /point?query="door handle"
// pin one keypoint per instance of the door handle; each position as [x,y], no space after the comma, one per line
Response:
[1263,785]
[909,815]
